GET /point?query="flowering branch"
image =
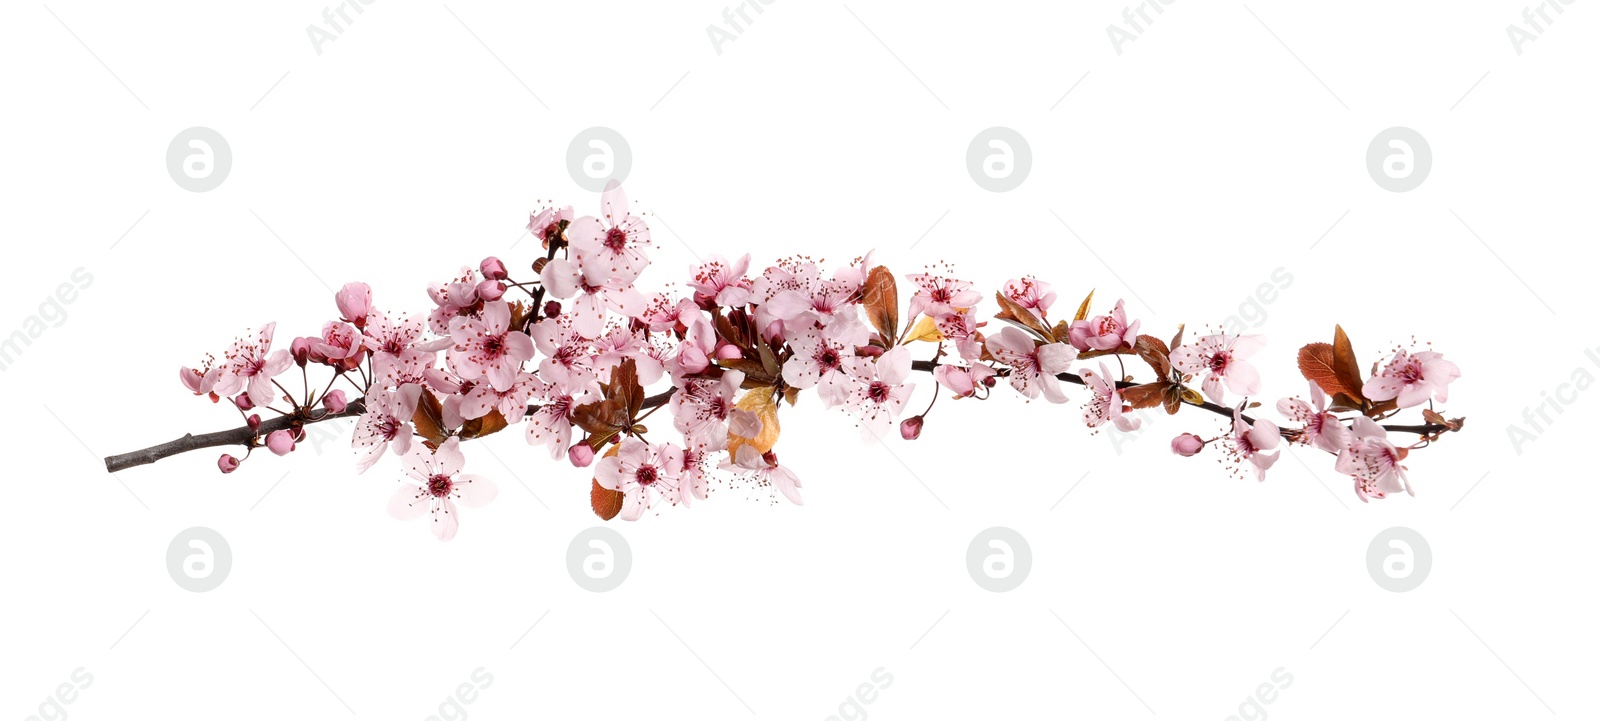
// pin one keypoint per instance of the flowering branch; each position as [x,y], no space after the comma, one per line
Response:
[569,363]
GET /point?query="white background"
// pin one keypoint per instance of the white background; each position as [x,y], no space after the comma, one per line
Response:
[1190,167]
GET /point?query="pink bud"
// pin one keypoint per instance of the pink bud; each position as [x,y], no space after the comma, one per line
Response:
[227,463]
[280,442]
[254,421]
[552,309]
[581,455]
[355,301]
[334,402]
[729,352]
[1187,444]
[243,402]
[491,290]
[300,348]
[492,268]
[911,428]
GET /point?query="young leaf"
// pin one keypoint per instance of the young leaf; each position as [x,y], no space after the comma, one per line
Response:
[1020,316]
[1148,395]
[494,422]
[924,330]
[1083,308]
[761,402]
[605,502]
[1154,351]
[1317,364]
[1344,363]
[429,418]
[882,302]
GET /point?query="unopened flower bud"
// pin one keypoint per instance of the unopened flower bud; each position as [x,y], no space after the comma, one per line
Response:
[300,348]
[280,442]
[492,268]
[539,264]
[1187,444]
[988,382]
[552,309]
[911,428]
[254,421]
[227,463]
[491,290]
[581,455]
[729,352]
[334,402]
[243,402]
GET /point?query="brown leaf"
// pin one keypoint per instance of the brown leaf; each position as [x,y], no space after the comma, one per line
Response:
[429,418]
[625,388]
[1177,339]
[1083,308]
[1345,365]
[605,502]
[1020,316]
[494,422]
[762,402]
[881,299]
[1148,395]
[601,417]
[1318,365]
[1154,351]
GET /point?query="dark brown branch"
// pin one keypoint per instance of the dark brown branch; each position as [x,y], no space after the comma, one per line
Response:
[243,436]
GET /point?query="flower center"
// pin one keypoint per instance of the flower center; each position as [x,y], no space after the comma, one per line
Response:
[1219,363]
[878,391]
[828,359]
[616,240]
[646,475]
[439,485]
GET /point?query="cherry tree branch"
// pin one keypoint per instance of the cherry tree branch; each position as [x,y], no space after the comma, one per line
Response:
[245,436]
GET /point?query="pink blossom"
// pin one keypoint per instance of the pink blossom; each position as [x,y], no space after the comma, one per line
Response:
[511,402]
[580,456]
[354,301]
[1250,443]
[568,354]
[1373,462]
[700,410]
[490,290]
[1319,427]
[551,425]
[385,336]
[488,347]
[1104,332]
[623,344]
[723,281]
[199,382]
[1031,293]
[643,473]
[766,470]
[820,361]
[456,298]
[341,346]
[936,295]
[1221,357]
[962,380]
[881,391]
[694,484]
[1106,405]
[962,330]
[435,485]
[597,288]
[546,224]
[1033,367]
[611,245]
[386,423]
[251,363]
[1411,380]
